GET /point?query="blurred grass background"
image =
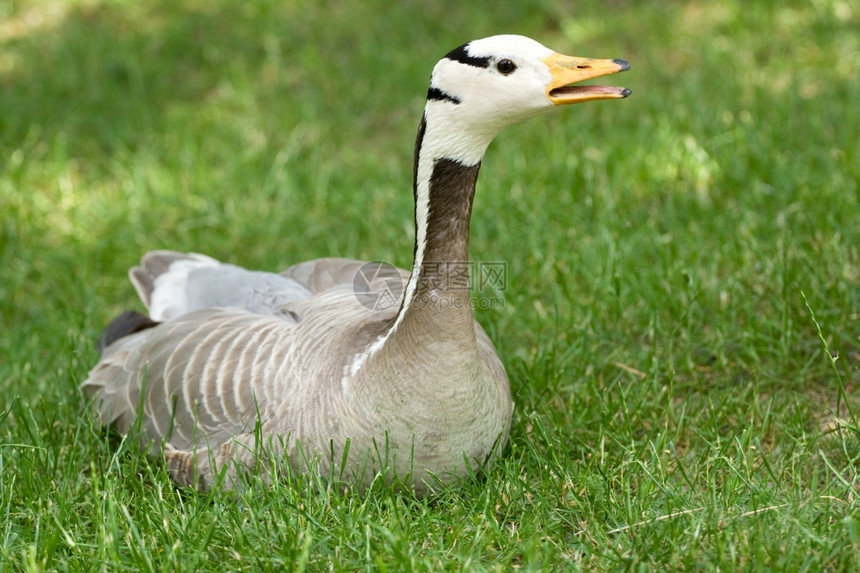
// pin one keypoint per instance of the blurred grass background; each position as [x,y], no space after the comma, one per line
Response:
[675,403]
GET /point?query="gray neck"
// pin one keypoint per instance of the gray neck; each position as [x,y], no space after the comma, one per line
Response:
[441,293]
[435,311]
[452,190]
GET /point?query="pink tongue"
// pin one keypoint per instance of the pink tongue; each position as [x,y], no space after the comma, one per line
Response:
[609,90]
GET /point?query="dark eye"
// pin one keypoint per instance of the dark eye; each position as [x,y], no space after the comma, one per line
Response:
[506,67]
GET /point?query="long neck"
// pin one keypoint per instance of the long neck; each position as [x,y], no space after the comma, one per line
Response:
[437,294]
[435,308]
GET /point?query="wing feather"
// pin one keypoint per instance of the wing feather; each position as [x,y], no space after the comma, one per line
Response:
[323,274]
[204,377]
[200,374]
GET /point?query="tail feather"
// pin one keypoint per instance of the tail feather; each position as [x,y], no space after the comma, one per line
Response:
[157,263]
[126,323]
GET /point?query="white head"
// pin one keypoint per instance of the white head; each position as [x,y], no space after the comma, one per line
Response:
[477,90]
[482,87]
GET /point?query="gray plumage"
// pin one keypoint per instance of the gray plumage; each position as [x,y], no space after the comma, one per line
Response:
[210,375]
[234,367]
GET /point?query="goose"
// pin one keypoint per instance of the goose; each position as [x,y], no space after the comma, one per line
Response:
[233,369]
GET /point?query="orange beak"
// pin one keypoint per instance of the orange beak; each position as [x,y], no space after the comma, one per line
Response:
[567,70]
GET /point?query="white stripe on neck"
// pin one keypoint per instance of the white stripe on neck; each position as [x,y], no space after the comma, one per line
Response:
[443,139]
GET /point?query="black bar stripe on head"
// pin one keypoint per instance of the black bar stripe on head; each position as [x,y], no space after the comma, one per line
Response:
[461,55]
[438,95]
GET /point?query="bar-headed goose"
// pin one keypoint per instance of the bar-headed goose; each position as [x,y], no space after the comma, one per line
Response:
[230,363]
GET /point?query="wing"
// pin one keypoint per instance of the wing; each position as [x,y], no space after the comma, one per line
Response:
[319,275]
[171,284]
[191,377]
[232,347]
[198,379]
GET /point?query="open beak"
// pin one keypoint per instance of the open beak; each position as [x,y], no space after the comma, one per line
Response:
[567,70]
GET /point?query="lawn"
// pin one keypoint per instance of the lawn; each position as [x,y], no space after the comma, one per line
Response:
[681,317]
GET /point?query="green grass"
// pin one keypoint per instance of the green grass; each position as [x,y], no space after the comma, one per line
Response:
[682,312]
